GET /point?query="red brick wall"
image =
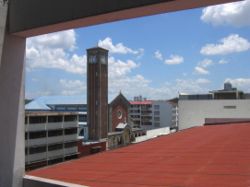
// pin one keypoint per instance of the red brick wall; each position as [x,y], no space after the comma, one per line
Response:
[115,119]
[85,150]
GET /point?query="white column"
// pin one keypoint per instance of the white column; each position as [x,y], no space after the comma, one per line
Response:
[12,158]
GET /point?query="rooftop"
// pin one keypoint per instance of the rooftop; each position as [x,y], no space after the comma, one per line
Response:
[43,103]
[216,155]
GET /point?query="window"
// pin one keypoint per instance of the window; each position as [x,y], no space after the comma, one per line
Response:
[119,114]
[26,135]
[70,131]
[55,119]
[38,134]
[70,118]
[37,119]
[26,120]
[55,133]
[82,108]
[55,147]
[156,107]
[70,144]
[82,118]
[72,108]
[60,108]
[40,149]
[81,132]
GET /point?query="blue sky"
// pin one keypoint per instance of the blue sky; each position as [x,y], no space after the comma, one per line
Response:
[159,56]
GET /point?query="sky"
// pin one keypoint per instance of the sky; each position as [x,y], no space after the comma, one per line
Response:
[158,57]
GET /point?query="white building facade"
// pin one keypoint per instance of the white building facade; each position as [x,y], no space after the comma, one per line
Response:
[151,114]
[227,105]
[50,137]
[195,112]
[53,126]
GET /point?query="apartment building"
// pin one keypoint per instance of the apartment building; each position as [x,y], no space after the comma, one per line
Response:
[53,126]
[150,114]
[50,137]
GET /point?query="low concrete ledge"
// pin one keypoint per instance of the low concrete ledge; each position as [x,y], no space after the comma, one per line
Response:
[32,181]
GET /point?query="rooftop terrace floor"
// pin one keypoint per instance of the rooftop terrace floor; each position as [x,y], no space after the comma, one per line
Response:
[216,155]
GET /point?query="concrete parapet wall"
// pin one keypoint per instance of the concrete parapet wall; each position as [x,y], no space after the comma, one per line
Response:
[153,134]
[31,181]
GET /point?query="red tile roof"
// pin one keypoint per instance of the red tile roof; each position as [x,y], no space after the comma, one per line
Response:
[217,156]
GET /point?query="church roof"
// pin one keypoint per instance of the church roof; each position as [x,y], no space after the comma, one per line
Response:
[119,98]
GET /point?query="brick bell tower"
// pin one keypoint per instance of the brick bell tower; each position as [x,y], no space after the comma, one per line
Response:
[97,93]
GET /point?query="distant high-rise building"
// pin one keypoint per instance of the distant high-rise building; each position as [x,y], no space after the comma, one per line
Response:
[97,92]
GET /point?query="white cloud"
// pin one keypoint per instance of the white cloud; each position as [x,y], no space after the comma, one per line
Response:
[222,61]
[235,14]
[118,68]
[202,66]
[72,87]
[54,51]
[139,85]
[192,86]
[64,39]
[174,59]
[202,81]
[118,48]
[158,55]
[231,44]
[240,83]
[205,63]
[201,70]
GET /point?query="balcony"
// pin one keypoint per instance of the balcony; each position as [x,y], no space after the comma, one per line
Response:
[36,157]
[35,127]
[34,142]
[70,151]
[57,125]
[55,153]
[55,139]
[71,137]
[149,113]
[70,124]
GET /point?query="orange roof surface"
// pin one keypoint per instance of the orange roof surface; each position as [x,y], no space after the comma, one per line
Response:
[208,156]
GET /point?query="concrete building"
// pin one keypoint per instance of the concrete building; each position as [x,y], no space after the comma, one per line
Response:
[26,19]
[50,137]
[53,126]
[60,104]
[97,93]
[224,105]
[150,114]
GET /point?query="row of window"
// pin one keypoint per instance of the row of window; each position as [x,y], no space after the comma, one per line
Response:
[55,119]
[51,133]
[41,149]
[71,108]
